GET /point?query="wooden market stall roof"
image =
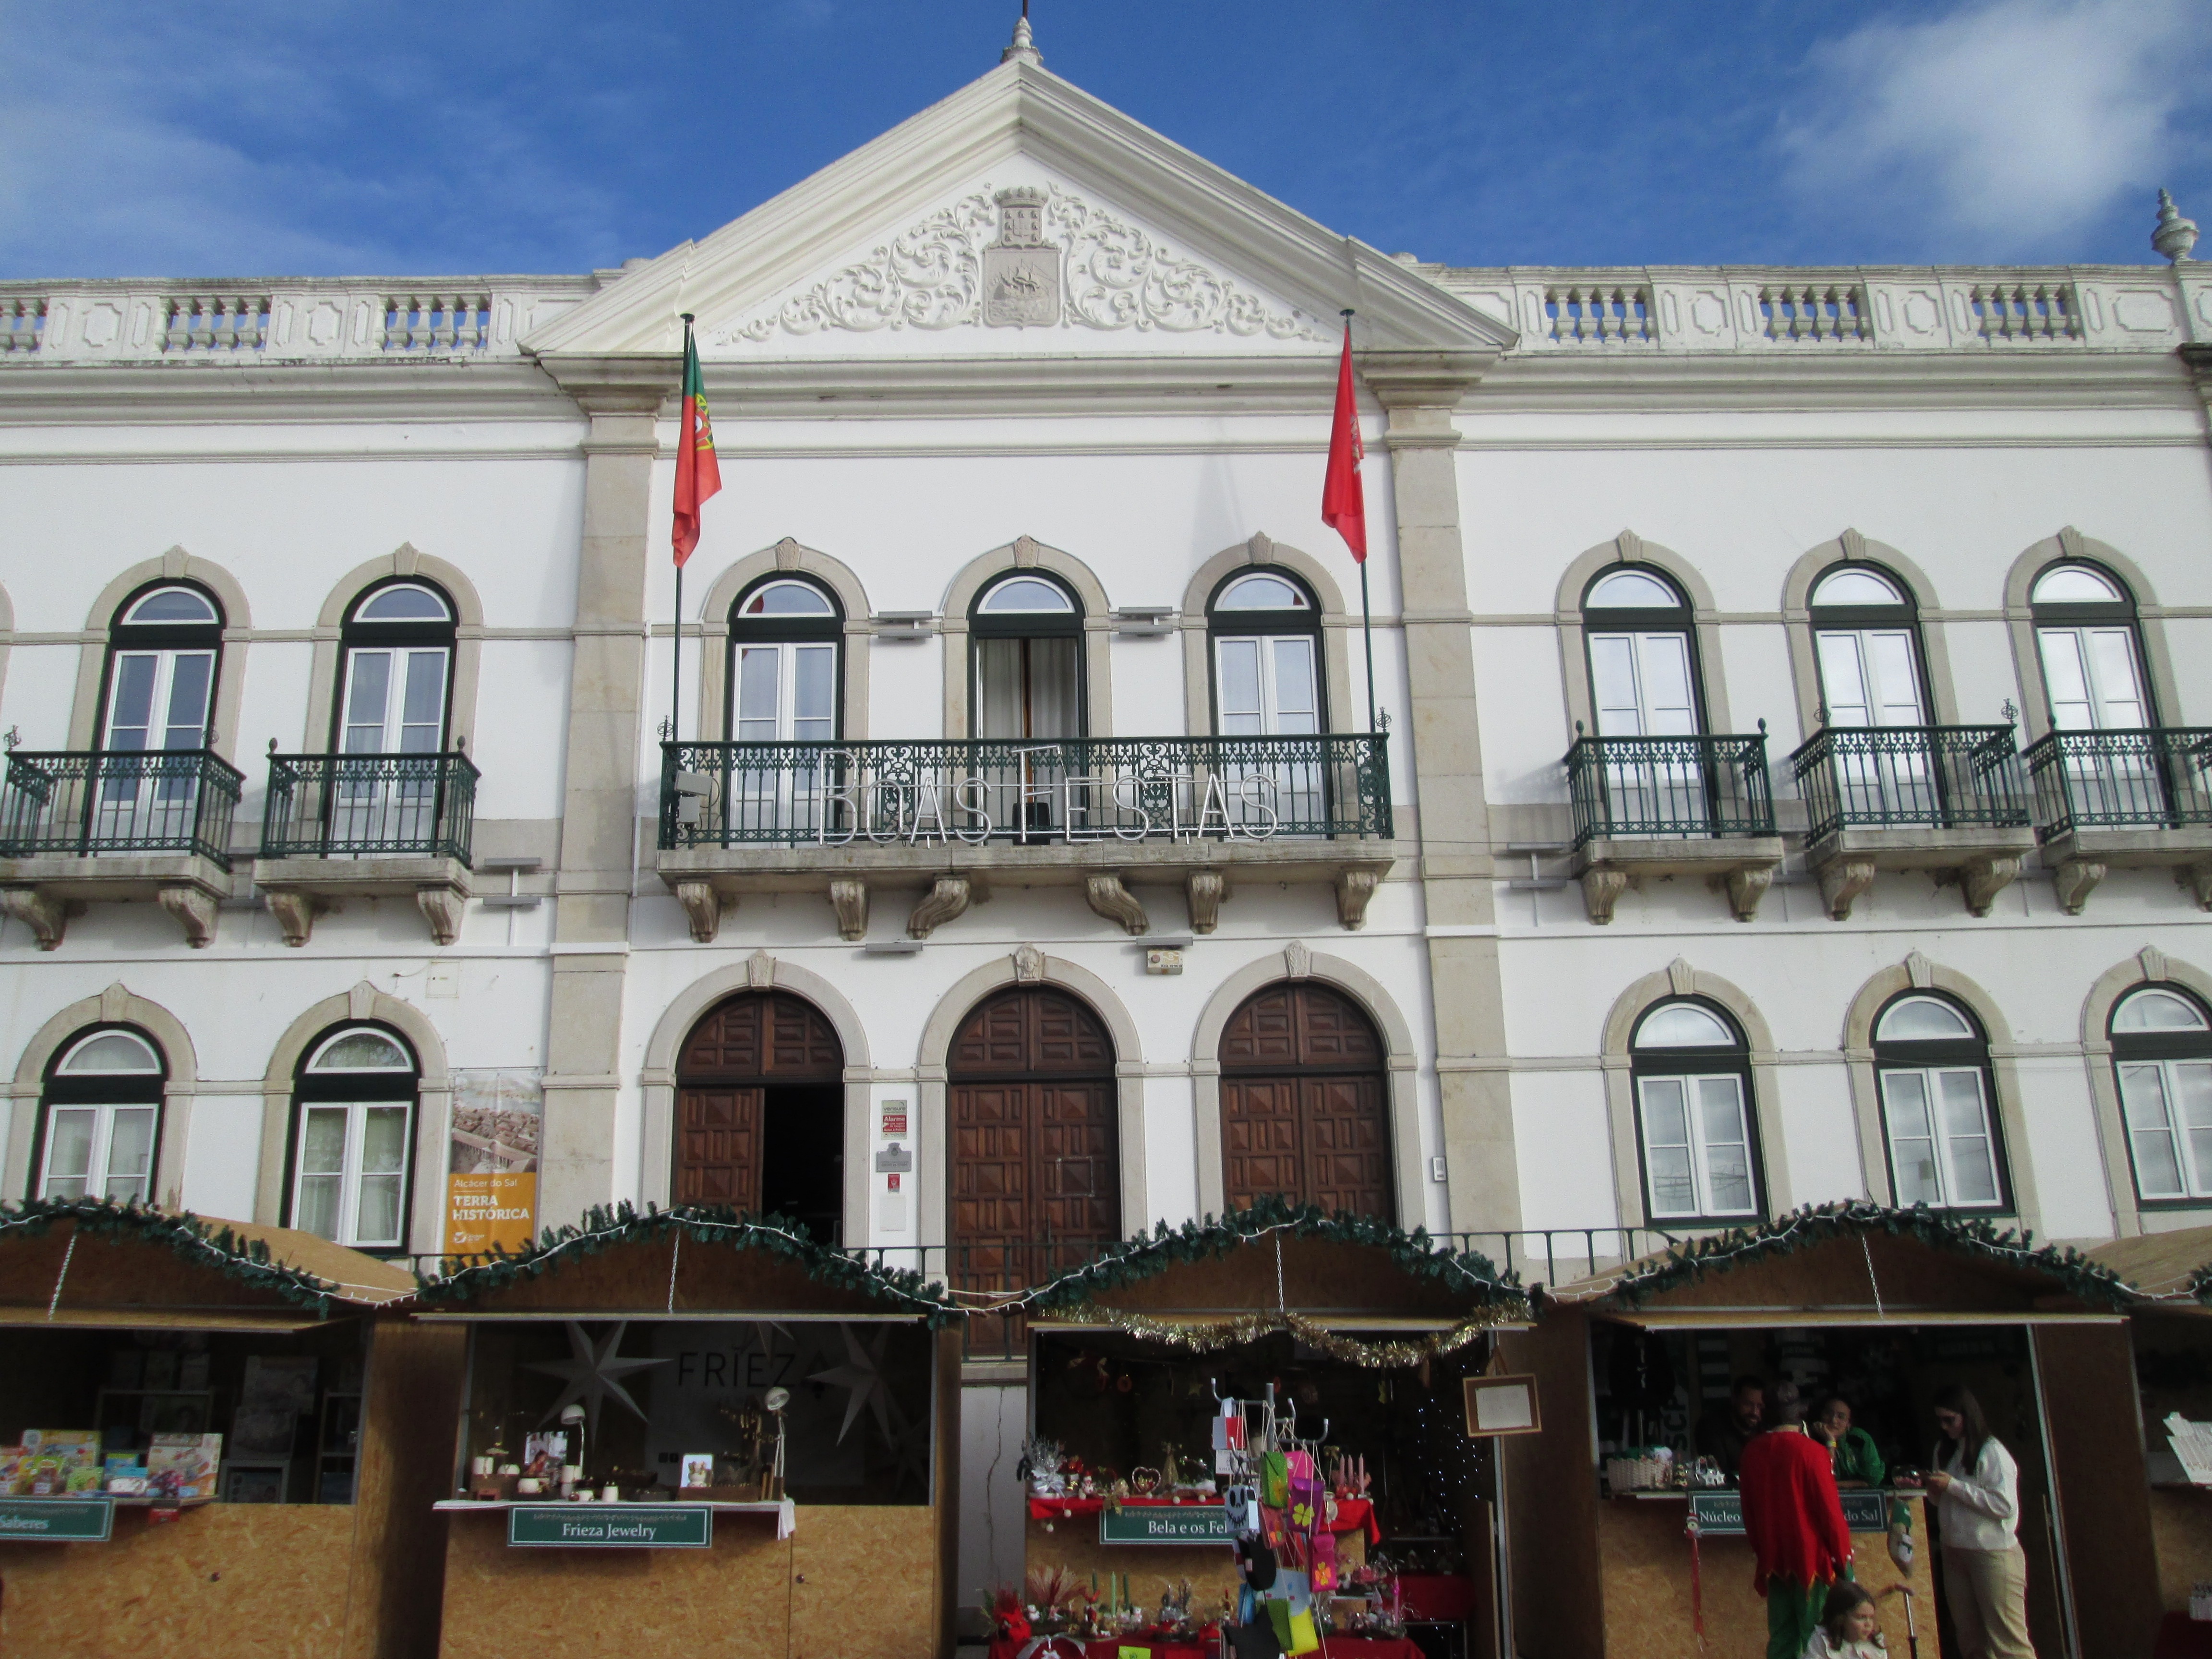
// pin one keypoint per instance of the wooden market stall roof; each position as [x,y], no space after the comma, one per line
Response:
[1855,1263]
[94,1264]
[2172,1269]
[1299,1265]
[692,1262]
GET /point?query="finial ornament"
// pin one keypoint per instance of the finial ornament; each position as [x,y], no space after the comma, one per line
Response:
[2175,235]
[1023,48]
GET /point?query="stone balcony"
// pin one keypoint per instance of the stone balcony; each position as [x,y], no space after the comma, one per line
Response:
[953,821]
[2124,799]
[1695,805]
[367,826]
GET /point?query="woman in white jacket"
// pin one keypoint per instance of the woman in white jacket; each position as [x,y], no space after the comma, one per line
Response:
[1976,1486]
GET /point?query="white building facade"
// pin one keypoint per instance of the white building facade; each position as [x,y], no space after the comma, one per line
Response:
[1020,683]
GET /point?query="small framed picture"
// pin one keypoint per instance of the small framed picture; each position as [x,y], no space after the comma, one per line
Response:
[253,1483]
[1503,1405]
[698,1469]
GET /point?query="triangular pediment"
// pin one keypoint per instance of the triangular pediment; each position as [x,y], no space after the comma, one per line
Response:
[1020,217]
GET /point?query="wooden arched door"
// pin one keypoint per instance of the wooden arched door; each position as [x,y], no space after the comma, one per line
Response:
[1304,1113]
[760,1111]
[1036,1148]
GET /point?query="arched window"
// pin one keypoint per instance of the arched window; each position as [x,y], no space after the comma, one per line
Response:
[353,1127]
[1692,1073]
[786,634]
[397,646]
[2162,1051]
[760,1112]
[163,651]
[1640,633]
[1027,631]
[101,1119]
[2092,662]
[1938,1102]
[1866,636]
[1267,657]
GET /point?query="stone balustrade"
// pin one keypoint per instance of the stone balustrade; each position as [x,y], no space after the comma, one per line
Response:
[1732,308]
[275,321]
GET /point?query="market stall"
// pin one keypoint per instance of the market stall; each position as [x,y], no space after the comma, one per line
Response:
[1879,1308]
[205,1435]
[683,1423]
[1163,1377]
[2170,1344]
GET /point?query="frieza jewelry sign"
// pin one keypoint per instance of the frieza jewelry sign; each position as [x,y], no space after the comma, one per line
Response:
[1194,1524]
[611,1526]
[491,1183]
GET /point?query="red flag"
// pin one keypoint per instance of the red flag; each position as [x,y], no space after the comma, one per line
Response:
[698,475]
[1343,503]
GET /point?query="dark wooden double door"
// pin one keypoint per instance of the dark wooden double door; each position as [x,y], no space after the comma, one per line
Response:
[1303,1112]
[1035,1146]
[760,1117]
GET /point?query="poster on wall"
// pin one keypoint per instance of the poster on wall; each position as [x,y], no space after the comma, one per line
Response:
[491,1181]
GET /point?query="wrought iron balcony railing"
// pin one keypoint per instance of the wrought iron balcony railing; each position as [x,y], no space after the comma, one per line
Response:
[1661,788]
[85,802]
[1071,789]
[2150,777]
[1943,777]
[370,805]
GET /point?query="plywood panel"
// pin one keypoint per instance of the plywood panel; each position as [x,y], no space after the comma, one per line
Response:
[1647,1607]
[2181,1530]
[407,1464]
[864,1583]
[2096,1441]
[596,1604]
[220,1582]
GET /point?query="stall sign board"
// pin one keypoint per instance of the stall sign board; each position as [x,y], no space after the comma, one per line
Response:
[612,1526]
[56,1520]
[1193,1523]
[1720,1514]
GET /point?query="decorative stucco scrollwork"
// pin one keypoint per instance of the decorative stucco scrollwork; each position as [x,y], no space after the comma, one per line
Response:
[1109,276]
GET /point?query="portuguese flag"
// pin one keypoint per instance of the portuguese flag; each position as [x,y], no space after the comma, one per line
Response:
[698,475]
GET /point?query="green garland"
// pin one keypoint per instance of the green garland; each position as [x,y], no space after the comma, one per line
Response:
[2089,1280]
[1146,1255]
[2200,1283]
[1217,1335]
[247,1261]
[713,1225]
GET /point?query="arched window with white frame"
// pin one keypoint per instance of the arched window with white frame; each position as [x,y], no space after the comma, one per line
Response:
[100,1125]
[353,1135]
[2087,637]
[163,651]
[1267,657]
[1939,1106]
[1695,1133]
[786,636]
[1866,636]
[2162,1056]
[397,671]
[1639,632]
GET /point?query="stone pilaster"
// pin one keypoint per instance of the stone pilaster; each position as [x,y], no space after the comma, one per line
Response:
[598,829]
[1455,866]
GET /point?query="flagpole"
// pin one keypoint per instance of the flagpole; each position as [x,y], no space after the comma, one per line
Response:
[675,670]
[1366,615]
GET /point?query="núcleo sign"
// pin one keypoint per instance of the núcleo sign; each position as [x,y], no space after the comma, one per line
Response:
[611,1526]
[1191,1523]
[56,1520]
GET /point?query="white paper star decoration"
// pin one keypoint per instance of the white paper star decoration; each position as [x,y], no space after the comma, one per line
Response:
[590,1374]
[861,1374]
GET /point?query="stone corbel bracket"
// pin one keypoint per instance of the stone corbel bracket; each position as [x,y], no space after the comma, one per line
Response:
[1354,888]
[2195,880]
[1110,899]
[47,917]
[849,897]
[443,908]
[295,913]
[948,896]
[1205,891]
[1841,880]
[702,907]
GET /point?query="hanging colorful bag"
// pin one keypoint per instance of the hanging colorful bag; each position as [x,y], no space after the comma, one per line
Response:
[1324,1568]
[1306,1489]
[1290,1609]
[1274,1480]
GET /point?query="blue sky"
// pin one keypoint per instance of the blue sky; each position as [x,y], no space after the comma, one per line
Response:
[511,136]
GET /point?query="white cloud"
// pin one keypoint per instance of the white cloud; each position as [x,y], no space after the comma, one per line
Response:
[2018,122]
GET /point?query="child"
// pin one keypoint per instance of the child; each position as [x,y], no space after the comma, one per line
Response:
[1848,1629]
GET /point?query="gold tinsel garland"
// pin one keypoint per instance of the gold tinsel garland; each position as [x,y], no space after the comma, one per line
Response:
[1212,1337]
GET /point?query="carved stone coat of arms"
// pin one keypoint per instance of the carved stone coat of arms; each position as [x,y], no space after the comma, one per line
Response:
[1021,270]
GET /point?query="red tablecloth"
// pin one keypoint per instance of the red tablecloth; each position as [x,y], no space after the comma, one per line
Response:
[1357,1515]
[2180,1637]
[1370,1647]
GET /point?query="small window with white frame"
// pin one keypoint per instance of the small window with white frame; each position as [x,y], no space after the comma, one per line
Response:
[1938,1106]
[1692,1071]
[100,1126]
[786,644]
[352,1140]
[2162,1058]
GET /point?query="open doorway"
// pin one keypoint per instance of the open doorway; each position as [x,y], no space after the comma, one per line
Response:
[760,1115]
